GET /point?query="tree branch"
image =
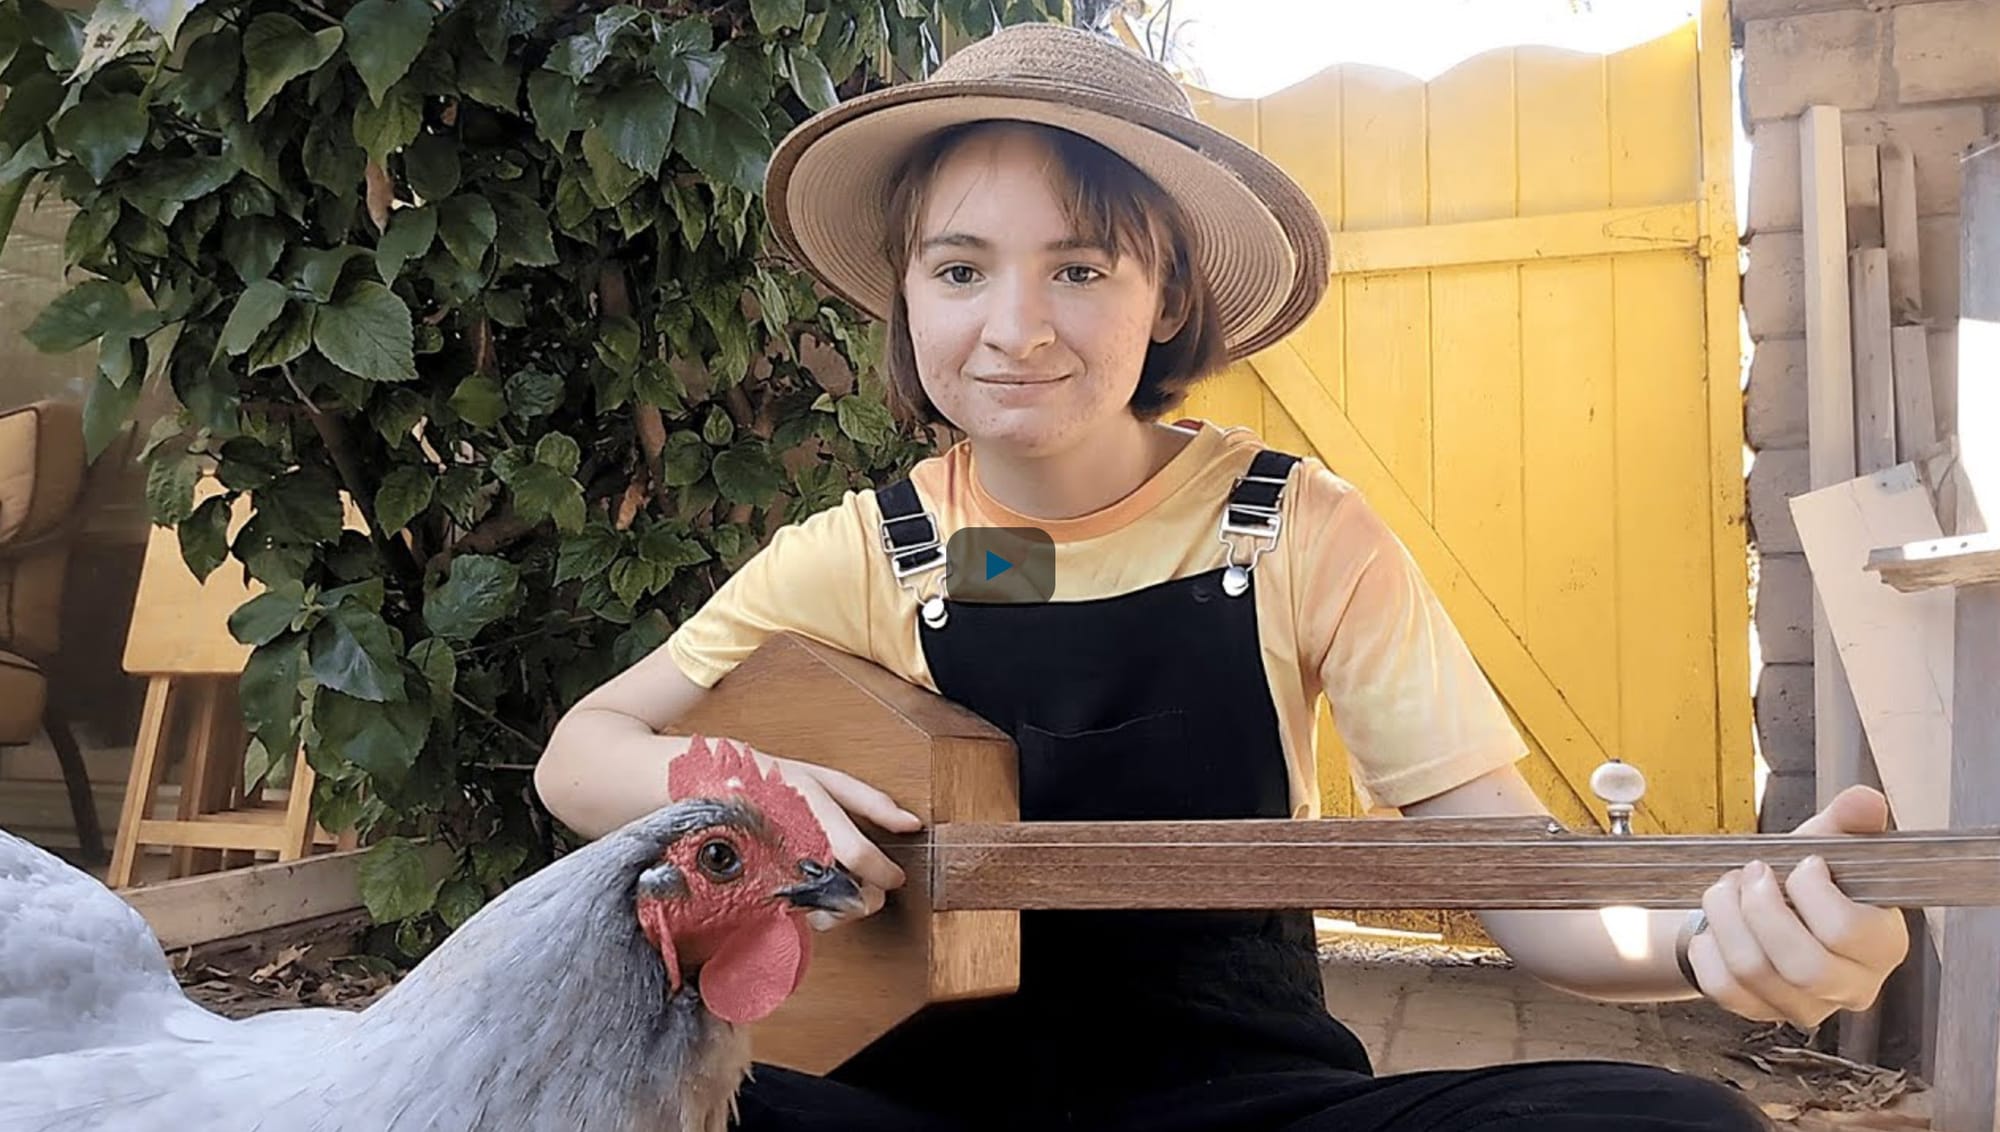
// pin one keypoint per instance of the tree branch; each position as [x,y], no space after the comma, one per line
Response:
[340,445]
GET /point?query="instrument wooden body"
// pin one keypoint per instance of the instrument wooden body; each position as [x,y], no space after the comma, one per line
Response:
[953,931]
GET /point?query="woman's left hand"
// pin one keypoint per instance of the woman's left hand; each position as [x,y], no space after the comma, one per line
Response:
[1798,962]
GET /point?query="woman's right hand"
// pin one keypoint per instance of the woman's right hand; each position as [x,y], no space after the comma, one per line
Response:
[837,798]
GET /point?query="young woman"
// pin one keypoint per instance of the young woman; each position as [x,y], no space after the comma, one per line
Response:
[1061,250]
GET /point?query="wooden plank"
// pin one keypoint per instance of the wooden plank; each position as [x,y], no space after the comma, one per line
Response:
[1961,560]
[1468,863]
[1838,758]
[1896,647]
[1916,412]
[215,906]
[1874,367]
[1561,235]
[1722,287]
[213,833]
[1968,1035]
[1899,235]
[1861,173]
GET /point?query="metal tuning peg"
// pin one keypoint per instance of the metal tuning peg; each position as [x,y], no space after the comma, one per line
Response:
[1619,785]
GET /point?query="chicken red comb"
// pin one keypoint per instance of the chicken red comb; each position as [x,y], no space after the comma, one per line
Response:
[722,768]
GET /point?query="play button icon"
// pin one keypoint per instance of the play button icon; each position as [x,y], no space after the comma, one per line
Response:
[1000,564]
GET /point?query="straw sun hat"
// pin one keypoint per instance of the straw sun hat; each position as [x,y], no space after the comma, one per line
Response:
[1255,233]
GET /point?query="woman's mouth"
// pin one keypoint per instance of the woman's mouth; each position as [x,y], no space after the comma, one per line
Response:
[1018,379]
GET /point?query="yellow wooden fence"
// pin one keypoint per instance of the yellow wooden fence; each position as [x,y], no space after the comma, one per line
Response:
[1529,361]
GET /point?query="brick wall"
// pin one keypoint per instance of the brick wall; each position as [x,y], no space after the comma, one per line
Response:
[1924,74]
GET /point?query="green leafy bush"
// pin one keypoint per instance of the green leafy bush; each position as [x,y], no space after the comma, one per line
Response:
[486,281]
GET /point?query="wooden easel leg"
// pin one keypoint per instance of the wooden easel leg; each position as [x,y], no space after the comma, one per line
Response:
[144,779]
[197,773]
[298,812]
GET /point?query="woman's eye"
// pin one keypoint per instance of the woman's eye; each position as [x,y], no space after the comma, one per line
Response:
[958,274]
[719,859]
[1080,273]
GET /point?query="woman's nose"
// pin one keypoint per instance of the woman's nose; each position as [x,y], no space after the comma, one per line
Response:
[1017,320]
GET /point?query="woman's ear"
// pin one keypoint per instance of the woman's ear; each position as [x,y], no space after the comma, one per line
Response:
[1173,312]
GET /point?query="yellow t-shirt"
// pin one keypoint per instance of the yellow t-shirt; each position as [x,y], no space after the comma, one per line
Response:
[1341,608]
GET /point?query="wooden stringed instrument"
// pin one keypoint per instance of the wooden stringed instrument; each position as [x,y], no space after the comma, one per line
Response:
[952,932]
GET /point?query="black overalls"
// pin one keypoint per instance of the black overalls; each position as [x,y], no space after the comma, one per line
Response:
[1152,704]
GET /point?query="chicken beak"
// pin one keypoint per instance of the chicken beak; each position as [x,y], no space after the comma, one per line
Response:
[827,888]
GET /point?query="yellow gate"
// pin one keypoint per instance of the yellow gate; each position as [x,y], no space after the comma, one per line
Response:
[1529,362]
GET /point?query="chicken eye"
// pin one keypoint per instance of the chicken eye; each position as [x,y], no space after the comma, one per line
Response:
[719,860]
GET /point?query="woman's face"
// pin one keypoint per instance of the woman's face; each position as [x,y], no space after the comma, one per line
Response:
[1022,338]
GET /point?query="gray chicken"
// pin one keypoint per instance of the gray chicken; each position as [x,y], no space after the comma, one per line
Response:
[609,991]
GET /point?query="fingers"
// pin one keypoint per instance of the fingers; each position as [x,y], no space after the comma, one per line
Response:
[865,801]
[1746,980]
[1857,809]
[1876,939]
[1798,955]
[850,846]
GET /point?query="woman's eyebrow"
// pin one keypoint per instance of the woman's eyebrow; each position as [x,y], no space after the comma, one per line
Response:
[979,243]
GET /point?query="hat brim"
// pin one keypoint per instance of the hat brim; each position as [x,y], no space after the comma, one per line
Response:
[1256,236]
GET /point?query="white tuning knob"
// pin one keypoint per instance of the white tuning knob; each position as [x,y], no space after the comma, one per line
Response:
[1619,785]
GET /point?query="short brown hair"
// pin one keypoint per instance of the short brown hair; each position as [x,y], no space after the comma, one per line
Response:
[1109,203]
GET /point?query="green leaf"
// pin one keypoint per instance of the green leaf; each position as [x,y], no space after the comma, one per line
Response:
[368,334]
[432,165]
[411,232]
[404,494]
[170,479]
[615,180]
[213,64]
[552,100]
[395,880]
[558,451]
[479,590]
[810,79]
[587,553]
[632,579]
[479,400]
[468,225]
[31,102]
[684,62]
[266,617]
[665,546]
[723,144]
[269,688]
[439,665]
[383,739]
[256,763]
[252,247]
[532,393]
[319,270]
[774,16]
[256,308]
[462,491]
[718,430]
[372,593]
[865,420]
[204,537]
[543,492]
[686,459]
[353,653]
[79,315]
[383,129]
[286,341]
[172,183]
[638,124]
[580,55]
[495,863]
[101,130]
[278,49]
[383,38]
[303,505]
[247,464]
[691,209]
[494,82]
[746,473]
[458,901]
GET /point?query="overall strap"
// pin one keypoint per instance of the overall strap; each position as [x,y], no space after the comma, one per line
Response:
[909,532]
[1252,511]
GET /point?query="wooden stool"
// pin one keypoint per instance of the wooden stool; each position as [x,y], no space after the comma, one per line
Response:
[180,641]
